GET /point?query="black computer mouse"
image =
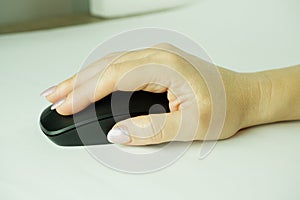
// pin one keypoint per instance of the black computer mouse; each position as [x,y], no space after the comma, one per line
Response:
[91,125]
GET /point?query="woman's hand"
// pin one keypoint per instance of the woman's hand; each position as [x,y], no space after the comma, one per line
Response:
[165,68]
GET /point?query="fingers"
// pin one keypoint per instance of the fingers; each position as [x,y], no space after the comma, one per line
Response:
[60,91]
[99,87]
[83,95]
[127,76]
[147,69]
[145,130]
[56,93]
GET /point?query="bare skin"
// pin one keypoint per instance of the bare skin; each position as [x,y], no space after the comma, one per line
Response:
[251,98]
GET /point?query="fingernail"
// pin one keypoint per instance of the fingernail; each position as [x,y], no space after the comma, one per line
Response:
[58,103]
[118,136]
[49,91]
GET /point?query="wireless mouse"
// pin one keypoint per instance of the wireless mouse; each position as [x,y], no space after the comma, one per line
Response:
[91,125]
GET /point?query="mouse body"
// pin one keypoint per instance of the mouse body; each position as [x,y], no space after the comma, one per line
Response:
[91,125]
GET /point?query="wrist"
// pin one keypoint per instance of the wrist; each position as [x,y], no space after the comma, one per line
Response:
[270,96]
[285,95]
[257,94]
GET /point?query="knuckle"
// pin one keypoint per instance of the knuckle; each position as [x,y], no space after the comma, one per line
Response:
[142,131]
[114,54]
[67,84]
[165,57]
[165,45]
[205,109]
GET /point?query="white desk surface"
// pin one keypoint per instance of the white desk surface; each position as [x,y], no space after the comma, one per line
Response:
[259,163]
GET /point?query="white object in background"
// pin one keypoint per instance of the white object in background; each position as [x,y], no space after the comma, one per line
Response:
[119,8]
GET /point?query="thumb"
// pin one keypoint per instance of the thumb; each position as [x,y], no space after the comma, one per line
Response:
[146,129]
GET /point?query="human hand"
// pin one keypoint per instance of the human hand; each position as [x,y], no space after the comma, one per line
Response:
[162,68]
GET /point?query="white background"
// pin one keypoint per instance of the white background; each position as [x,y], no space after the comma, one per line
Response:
[258,163]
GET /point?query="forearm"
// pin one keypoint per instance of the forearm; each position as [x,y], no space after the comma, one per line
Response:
[271,96]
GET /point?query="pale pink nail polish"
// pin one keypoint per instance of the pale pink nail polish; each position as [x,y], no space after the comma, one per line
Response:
[48,91]
[58,103]
[118,136]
